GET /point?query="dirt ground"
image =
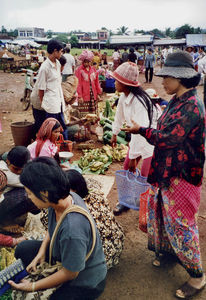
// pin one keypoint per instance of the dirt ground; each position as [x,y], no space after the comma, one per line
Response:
[134,278]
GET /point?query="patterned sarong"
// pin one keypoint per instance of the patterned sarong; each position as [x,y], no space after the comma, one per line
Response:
[172,223]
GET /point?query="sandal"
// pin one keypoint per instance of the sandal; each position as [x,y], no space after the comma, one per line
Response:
[186,291]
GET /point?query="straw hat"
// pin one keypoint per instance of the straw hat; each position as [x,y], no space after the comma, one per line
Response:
[3,180]
[152,93]
[127,73]
[178,65]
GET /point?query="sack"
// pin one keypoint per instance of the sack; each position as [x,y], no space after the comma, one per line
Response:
[143,211]
[64,145]
[129,187]
[43,271]
[46,269]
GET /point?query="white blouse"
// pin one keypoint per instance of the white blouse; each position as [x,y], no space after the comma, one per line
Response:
[130,108]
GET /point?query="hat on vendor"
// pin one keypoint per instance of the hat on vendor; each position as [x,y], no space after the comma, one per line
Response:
[152,93]
[127,73]
[3,180]
[178,65]
[86,55]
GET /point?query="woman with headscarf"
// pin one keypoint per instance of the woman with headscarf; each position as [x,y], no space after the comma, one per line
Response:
[88,89]
[45,144]
[176,171]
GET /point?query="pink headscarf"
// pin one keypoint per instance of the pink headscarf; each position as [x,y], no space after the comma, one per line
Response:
[45,133]
[86,54]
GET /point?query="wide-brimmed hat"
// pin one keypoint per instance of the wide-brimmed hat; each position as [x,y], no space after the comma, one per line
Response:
[152,93]
[127,73]
[178,65]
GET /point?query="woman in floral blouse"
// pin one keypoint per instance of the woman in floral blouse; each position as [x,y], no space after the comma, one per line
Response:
[176,171]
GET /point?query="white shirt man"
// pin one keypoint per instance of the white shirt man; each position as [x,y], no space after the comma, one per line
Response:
[69,66]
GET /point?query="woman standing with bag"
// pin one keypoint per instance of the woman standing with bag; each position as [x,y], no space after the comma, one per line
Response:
[176,171]
[134,103]
[77,278]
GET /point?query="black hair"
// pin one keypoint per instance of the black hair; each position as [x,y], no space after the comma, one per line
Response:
[67,50]
[190,82]
[18,156]
[54,45]
[77,183]
[144,98]
[115,49]
[45,179]
[62,60]
[131,50]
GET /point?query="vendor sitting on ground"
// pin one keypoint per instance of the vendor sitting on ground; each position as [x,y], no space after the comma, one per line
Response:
[7,240]
[45,144]
[14,201]
[153,95]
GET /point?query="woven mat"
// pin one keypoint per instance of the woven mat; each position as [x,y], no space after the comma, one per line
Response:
[105,181]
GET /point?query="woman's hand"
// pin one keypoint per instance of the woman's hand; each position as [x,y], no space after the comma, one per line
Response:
[39,259]
[80,100]
[114,140]
[24,285]
[132,165]
[134,129]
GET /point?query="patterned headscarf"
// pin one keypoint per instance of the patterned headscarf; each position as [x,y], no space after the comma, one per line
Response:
[86,54]
[45,133]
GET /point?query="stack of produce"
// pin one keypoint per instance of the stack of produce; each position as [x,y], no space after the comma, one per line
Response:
[97,161]
[107,128]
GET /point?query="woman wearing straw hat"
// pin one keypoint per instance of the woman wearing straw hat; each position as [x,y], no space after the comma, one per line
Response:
[176,171]
[134,103]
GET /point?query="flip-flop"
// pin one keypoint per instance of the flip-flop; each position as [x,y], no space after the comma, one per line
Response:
[187,291]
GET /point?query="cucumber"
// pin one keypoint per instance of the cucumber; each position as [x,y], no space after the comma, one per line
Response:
[120,140]
[107,127]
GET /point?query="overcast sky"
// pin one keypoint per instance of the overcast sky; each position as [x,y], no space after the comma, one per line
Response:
[90,15]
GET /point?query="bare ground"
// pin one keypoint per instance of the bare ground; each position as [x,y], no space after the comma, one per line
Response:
[134,278]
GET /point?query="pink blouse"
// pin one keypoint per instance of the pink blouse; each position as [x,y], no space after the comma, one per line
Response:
[49,149]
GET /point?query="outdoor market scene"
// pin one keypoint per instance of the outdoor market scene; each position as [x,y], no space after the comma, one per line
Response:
[102,164]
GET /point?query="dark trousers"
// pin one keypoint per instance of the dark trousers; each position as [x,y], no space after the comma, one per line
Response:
[150,71]
[27,250]
[39,118]
[60,118]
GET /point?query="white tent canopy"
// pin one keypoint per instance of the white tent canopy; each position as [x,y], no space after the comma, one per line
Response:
[25,42]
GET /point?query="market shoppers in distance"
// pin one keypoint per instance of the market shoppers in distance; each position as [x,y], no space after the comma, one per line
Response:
[176,171]
[134,104]
[149,65]
[47,93]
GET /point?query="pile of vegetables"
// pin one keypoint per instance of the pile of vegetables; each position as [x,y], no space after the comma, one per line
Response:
[97,161]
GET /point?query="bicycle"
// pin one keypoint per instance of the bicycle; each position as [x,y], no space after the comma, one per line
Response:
[29,83]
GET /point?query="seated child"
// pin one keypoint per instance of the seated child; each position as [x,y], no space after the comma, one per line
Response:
[14,201]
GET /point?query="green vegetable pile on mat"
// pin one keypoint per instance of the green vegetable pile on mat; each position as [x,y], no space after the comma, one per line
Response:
[97,161]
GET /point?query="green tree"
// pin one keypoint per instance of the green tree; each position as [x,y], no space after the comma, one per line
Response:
[197,30]
[183,30]
[62,38]
[49,34]
[138,31]
[123,30]
[74,41]
[157,32]
[3,29]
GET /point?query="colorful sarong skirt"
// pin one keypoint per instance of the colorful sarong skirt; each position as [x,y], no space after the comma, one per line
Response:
[172,223]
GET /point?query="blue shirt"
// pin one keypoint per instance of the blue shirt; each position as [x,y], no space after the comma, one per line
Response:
[73,242]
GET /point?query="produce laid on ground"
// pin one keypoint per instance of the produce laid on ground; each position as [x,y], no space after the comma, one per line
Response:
[97,161]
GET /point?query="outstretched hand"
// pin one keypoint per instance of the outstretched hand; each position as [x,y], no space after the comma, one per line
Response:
[24,285]
[134,129]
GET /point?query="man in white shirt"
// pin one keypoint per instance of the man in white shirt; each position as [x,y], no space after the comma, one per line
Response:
[48,91]
[69,66]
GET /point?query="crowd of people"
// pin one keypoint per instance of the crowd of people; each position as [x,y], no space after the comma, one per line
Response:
[169,138]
